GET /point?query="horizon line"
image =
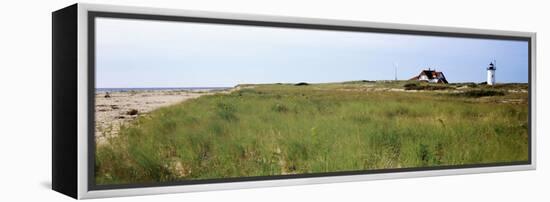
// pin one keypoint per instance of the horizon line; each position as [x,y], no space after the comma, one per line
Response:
[232,86]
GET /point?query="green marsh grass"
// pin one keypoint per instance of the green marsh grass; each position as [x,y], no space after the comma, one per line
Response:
[285,129]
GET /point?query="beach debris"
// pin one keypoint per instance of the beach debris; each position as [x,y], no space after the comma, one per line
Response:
[120,117]
[115,107]
[132,112]
[107,95]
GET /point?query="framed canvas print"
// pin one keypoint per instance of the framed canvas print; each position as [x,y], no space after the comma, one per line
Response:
[151,101]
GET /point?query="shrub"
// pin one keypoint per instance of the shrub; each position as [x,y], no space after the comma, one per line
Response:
[413,86]
[368,81]
[410,86]
[301,84]
[436,88]
[480,93]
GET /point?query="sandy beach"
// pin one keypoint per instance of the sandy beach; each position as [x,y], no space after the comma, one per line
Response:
[114,109]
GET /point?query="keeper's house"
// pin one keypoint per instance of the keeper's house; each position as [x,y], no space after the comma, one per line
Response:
[431,76]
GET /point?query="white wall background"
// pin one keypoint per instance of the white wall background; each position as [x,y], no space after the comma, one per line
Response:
[25,98]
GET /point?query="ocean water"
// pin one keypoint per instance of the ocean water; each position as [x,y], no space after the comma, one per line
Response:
[162,89]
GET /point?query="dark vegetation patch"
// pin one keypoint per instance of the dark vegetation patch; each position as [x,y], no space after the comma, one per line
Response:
[479,93]
[467,84]
[415,86]
[464,85]
[358,82]
[511,86]
[302,84]
[410,85]
[280,108]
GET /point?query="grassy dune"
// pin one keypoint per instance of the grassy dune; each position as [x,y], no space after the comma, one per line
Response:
[279,129]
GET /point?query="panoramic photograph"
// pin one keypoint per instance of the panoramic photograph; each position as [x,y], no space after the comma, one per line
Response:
[183,101]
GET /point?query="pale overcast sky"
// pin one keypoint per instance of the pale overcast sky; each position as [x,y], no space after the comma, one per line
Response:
[147,53]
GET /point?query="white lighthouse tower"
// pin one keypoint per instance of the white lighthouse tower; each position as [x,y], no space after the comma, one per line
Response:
[491,73]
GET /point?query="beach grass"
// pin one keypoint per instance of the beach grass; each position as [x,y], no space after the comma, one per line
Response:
[281,129]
